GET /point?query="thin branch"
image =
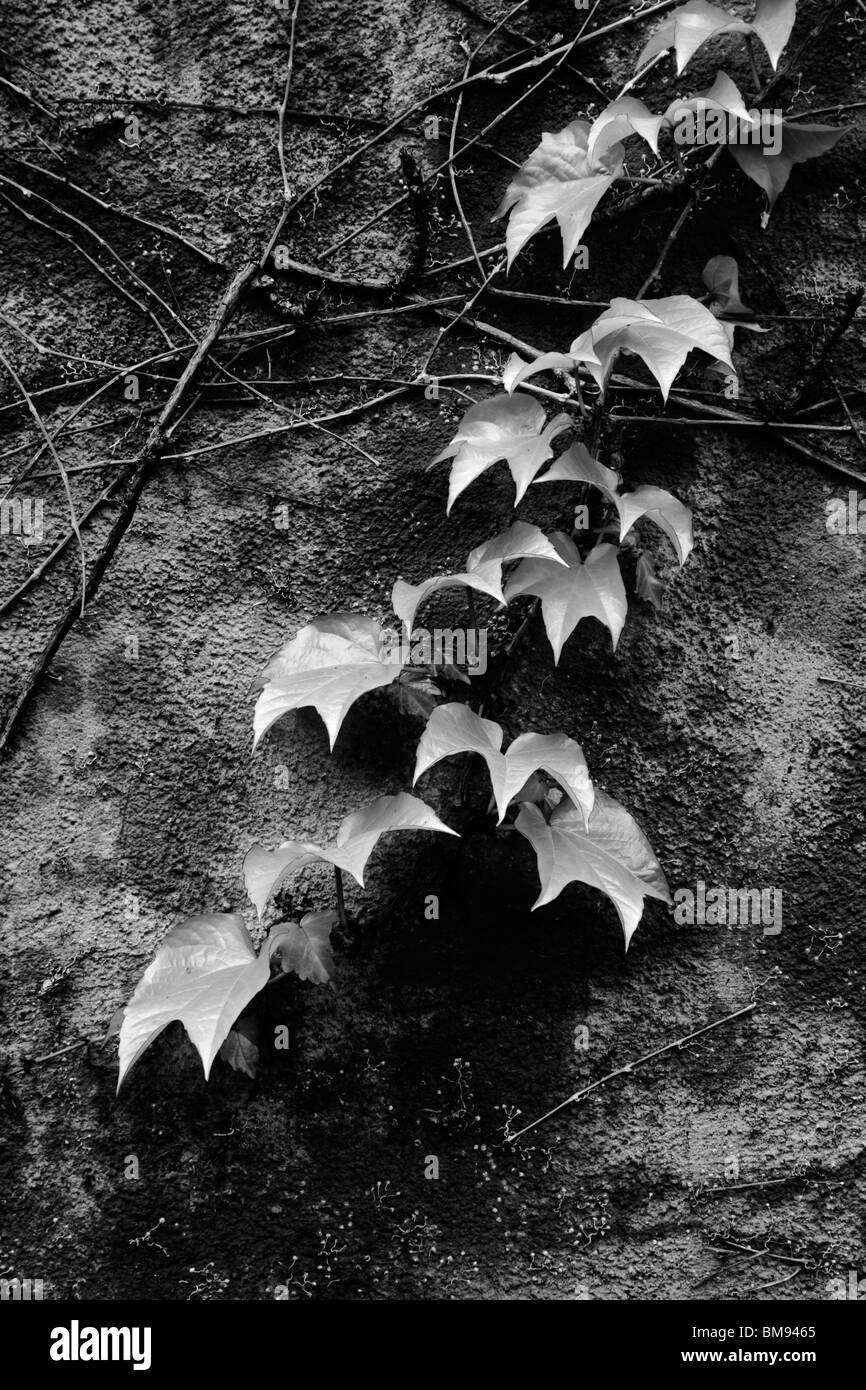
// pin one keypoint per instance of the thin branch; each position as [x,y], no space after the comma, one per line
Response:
[281,112]
[100,269]
[60,469]
[631,1066]
[27,96]
[740,423]
[861,438]
[135,217]
[269,433]
[341,898]
[61,1051]
[563,53]
[100,241]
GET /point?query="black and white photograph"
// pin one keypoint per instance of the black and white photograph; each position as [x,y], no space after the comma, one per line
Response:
[432,670]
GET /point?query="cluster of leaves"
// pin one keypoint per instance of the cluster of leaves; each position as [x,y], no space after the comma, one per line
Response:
[207,972]
[567,175]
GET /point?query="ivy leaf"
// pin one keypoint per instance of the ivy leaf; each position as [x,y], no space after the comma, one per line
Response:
[503,427]
[515,367]
[774,20]
[417,693]
[721,275]
[240,1049]
[628,116]
[724,95]
[406,599]
[622,118]
[520,541]
[799,143]
[648,586]
[585,589]
[305,947]
[329,664]
[578,466]
[357,837]
[534,789]
[660,331]
[455,728]
[483,570]
[560,181]
[668,513]
[687,28]
[203,975]
[611,854]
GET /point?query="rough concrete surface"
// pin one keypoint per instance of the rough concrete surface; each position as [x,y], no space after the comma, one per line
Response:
[129,795]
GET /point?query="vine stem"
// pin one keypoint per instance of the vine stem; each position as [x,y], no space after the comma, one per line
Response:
[283,106]
[341,898]
[630,1067]
[61,1051]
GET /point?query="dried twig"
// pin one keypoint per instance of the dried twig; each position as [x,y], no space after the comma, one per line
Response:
[100,269]
[281,110]
[630,1067]
[134,217]
[60,469]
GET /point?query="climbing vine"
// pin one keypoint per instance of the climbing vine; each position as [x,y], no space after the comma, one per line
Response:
[207,971]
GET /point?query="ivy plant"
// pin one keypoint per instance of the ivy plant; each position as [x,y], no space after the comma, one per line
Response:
[207,971]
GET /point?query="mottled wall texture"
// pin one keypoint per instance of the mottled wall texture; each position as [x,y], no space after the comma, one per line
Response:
[730,720]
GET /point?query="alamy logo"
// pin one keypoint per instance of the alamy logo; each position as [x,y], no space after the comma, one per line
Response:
[714,126]
[846,518]
[21,1290]
[853,1287]
[437,647]
[729,907]
[76,1343]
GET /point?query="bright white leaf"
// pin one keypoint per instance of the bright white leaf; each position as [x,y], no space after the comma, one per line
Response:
[660,331]
[357,837]
[583,589]
[628,116]
[611,854]
[406,599]
[505,427]
[622,118]
[774,20]
[559,181]
[518,370]
[455,728]
[687,28]
[577,465]
[329,664]
[724,95]
[483,570]
[557,755]
[668,513]
[519,542]
[203,975]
